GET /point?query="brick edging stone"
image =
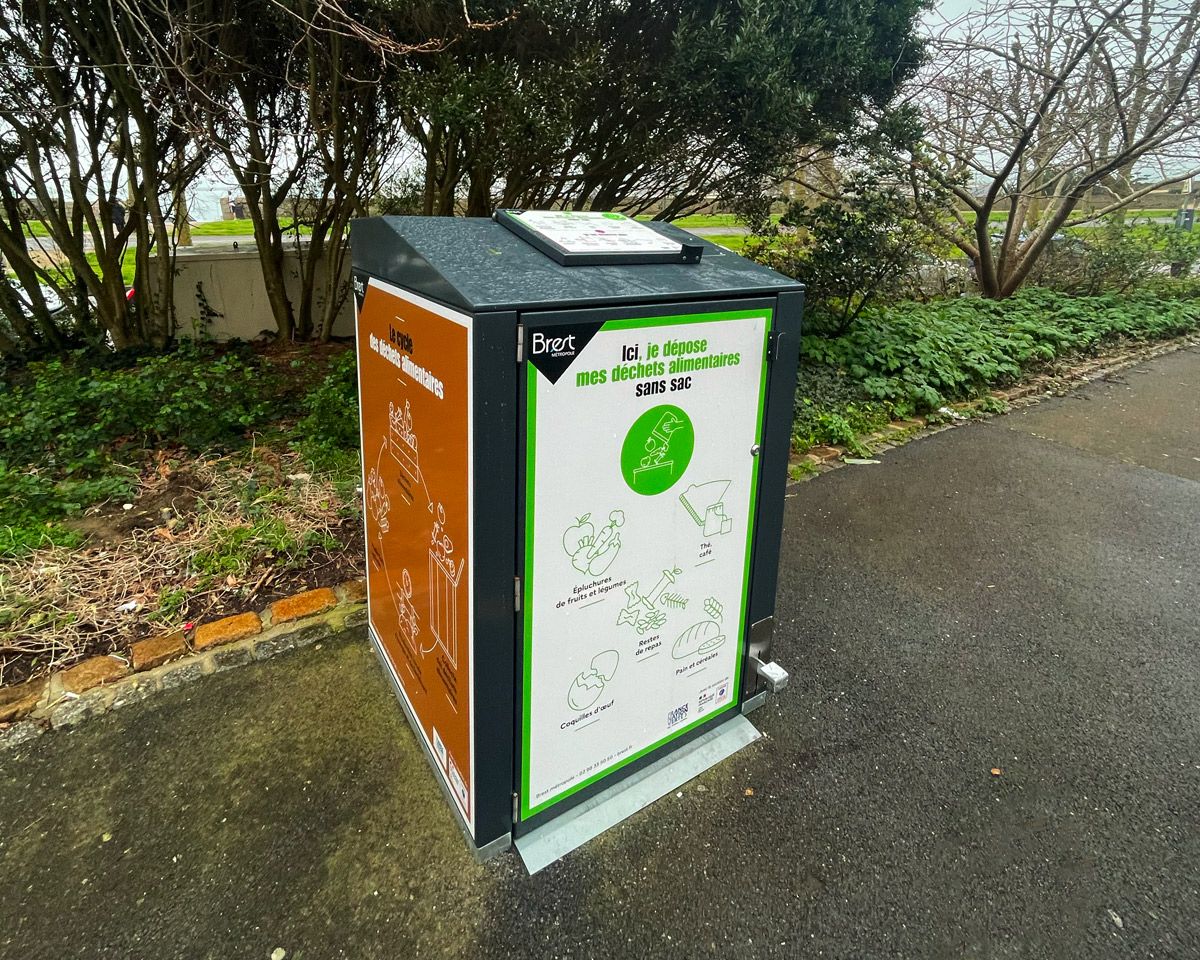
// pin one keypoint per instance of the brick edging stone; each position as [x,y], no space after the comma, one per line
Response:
[104,683]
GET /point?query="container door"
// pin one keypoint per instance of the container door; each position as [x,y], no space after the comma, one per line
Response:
[642,429]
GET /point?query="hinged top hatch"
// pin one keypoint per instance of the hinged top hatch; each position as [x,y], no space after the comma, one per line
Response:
[587,237]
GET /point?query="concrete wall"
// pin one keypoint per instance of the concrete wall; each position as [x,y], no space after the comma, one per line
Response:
[226,286]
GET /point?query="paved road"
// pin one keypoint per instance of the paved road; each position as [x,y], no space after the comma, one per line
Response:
[1020,594]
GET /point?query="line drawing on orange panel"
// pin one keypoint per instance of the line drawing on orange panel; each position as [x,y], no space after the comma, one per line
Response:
[444,579]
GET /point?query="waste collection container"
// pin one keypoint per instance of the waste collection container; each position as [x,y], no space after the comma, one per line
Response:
[575,435]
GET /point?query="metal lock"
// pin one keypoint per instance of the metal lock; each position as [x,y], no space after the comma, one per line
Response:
[773,675]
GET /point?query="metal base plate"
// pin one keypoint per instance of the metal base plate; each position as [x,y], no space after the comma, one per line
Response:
[554,840]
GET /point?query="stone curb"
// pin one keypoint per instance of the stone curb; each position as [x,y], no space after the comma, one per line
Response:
[104,683]
[822,459]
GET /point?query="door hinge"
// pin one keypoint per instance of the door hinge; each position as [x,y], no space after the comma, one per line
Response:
[773,339]
[520,343]
[516,808]
[517,593]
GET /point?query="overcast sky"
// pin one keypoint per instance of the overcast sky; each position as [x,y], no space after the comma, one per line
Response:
[949,9]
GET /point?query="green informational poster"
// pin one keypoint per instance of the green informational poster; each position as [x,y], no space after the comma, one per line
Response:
[641,479]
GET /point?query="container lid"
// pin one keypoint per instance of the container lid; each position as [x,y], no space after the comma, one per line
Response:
[477,265]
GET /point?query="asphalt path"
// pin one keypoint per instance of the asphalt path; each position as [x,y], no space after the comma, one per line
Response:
[1018,594]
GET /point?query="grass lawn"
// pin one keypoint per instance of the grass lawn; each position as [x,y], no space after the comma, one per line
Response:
[236,228]
[128,267]
[733,241]
[128,264]
[228,228]
[999,216]
[209,228]
[708,220]
[715,220]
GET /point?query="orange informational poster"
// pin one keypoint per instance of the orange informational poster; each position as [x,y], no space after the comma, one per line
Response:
[414,381]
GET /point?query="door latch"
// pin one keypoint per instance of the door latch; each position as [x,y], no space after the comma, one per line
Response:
[772,674]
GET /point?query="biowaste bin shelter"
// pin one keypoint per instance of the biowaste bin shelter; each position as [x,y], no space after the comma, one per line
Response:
[575,436]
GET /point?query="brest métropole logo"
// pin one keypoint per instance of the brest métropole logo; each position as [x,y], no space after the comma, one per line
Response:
[553,349]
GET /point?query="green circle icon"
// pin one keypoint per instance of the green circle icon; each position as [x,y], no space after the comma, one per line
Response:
[657,449]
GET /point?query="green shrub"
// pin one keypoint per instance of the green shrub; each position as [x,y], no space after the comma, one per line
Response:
[18,539]
[30,500]
[817,424]
[68,426]
[920,356]
[234,550]
[72,414]
[171,601]
[327,435]
[848,253]
[1117,256]
[832,408]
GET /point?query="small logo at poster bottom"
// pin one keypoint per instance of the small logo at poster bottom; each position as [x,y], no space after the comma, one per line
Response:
[677,716]
[457,785]
[713,696]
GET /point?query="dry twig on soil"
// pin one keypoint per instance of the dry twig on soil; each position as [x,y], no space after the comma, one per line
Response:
[257,518]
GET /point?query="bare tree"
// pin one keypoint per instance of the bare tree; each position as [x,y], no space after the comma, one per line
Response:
[93,159]
[354,129]
[1032,108]
[288,95]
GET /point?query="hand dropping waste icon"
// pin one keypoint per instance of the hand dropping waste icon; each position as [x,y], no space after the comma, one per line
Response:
[587,686]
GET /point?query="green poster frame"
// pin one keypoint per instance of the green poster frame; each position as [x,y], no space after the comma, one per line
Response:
[531,385]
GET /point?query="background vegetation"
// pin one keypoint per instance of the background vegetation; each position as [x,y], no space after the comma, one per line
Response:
[322,112]
[961,200]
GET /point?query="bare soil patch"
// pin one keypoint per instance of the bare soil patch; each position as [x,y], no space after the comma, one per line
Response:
[203,538]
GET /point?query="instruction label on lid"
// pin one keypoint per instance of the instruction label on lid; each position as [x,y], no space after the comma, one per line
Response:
[591,232]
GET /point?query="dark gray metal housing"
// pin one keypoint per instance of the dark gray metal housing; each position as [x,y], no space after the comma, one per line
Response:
[480,268]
